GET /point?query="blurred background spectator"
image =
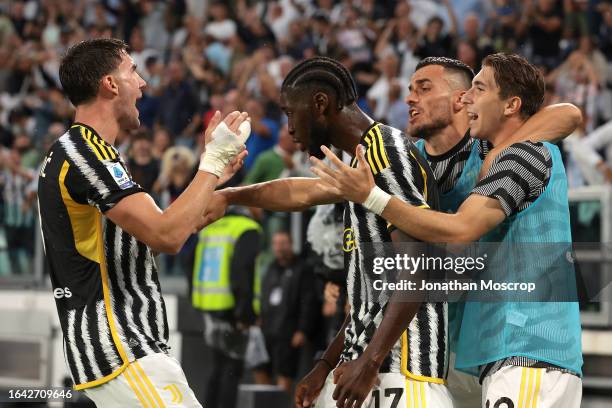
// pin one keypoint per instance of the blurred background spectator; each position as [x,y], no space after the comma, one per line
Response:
[288,310]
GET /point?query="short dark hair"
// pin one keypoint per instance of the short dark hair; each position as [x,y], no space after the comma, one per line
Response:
[452,65]
[84,65]
[326,73]
[515,76]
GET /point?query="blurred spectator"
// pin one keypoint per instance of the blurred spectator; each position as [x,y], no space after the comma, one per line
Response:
[468,54]
[288,310]
[177,169]
[148,104]
[477,38]
[274,163]
[354,35]
[323,38]
[18,217]
[138,52]
[398,108]
[576,81]
[224,289]
[143,166]
[502,22]
[178,102]
[399,37]
[433,42]
[152,21]
[542,22]
[161,142]
[297,44]
[576,16]
[600,139]
[220,26]
[605,29]
[378,94]
[586,47]
[252,29]
[264,132]
[29,156]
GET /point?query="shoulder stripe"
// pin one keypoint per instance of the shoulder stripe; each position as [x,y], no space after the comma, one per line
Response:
[424,174]
[383,153]
[96,140]
[87,137]
[372,155]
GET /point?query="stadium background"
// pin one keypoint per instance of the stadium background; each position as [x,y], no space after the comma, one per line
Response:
[198,56]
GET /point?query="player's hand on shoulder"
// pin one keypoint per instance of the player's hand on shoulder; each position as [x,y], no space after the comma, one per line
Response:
[354,381]
[352,184]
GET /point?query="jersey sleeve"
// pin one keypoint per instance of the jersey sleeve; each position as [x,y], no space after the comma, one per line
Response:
[98,181]
[517,177]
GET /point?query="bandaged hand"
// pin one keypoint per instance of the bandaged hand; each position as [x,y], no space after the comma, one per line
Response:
[227,141]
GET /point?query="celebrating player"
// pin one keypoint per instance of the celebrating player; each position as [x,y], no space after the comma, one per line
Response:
[439,119]
[100,230]
[401,345]
[522,198]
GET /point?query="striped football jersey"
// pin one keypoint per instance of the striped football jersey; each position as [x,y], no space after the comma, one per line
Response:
[105,282]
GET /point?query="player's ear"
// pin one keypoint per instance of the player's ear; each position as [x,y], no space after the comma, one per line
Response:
[108,86]
[513,106]
[321,102]
[457,101]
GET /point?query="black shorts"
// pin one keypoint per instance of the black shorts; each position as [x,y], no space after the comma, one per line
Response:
[284,358]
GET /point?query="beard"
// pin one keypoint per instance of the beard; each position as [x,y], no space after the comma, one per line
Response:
[318,136]
[441,119]
[429,129]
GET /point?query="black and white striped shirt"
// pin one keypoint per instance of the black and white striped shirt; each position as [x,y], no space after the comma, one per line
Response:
[105,282]
[400,170]
[517,177]
[447,167]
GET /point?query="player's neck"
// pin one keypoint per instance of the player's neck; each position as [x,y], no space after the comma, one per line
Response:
[98,117]
[443,141]
[348,128]
[506,130]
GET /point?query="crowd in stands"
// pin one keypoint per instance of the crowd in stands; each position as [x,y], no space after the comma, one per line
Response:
[199,56]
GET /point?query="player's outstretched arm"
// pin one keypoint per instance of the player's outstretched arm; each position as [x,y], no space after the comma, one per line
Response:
[476,216]
[289,194]
[167,231]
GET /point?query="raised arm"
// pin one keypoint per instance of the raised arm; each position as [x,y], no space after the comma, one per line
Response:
[550,124]
[167,231]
